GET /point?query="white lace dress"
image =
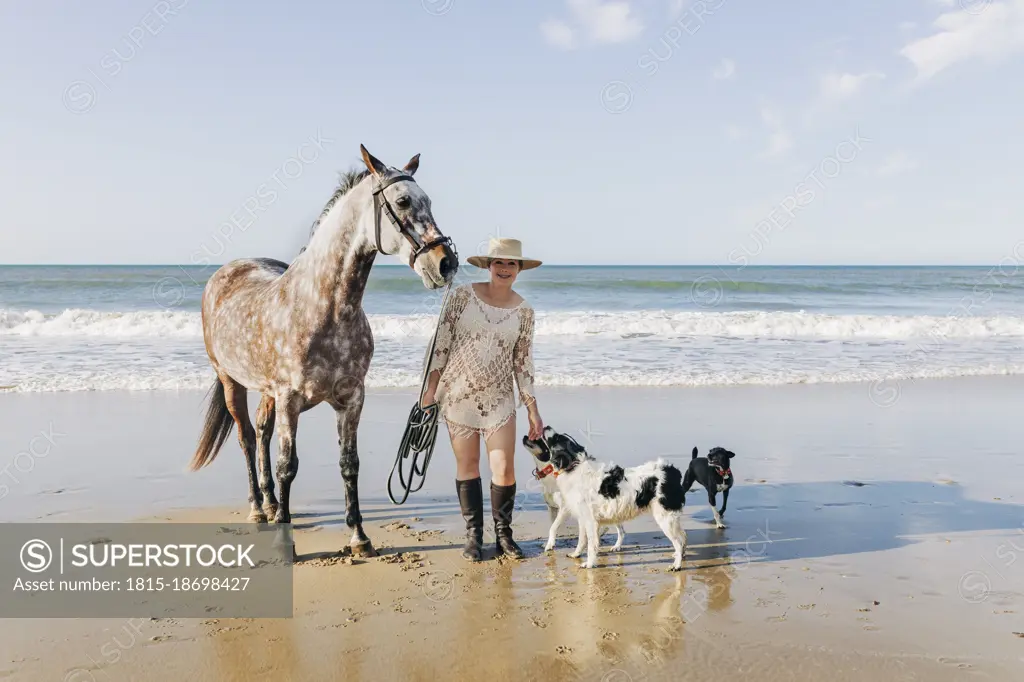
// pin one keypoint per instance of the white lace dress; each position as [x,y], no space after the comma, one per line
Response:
[480,349]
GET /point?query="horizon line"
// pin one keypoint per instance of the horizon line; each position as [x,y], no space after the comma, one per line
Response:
[550,264]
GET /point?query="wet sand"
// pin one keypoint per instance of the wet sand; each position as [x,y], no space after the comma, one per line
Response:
[862,542]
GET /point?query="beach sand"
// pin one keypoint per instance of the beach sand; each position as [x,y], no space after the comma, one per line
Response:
[862,542]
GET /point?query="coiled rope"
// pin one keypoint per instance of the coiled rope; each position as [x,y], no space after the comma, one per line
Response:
[420,430]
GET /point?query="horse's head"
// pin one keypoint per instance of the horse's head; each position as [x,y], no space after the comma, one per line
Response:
[404,226]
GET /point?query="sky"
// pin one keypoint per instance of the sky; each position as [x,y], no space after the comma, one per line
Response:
[596,131]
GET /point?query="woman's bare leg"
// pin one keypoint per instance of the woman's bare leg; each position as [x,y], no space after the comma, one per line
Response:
[466,446]
[501,450]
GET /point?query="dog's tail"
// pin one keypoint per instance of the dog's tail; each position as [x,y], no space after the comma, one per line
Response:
[693,455]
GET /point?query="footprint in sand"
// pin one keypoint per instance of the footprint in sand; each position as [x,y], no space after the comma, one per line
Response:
[952,661]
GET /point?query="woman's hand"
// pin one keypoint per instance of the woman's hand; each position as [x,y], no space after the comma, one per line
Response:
[427,399]
[536,423]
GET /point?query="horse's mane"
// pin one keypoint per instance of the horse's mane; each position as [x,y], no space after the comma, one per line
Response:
[346,181]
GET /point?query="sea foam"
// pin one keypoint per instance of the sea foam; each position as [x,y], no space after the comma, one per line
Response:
[649,323]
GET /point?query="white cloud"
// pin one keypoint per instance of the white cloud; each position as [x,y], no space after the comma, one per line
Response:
[896,163]
[779,142]
[838,86]
[771,117]
[990,31]
[734,132]
[725,70]
[558,33]
[908,25]
[601,22]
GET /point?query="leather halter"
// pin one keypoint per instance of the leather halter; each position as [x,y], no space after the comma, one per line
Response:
[379,199]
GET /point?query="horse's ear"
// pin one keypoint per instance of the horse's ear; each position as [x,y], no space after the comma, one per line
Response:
[413,164]
[372,163]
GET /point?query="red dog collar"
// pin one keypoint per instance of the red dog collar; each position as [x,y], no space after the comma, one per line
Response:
[724,473]
[541,473]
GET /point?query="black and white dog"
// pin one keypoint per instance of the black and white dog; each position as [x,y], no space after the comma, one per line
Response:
[597,493]
[714,473]
[545,473]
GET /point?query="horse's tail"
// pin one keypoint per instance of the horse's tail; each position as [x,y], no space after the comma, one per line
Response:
[215,430]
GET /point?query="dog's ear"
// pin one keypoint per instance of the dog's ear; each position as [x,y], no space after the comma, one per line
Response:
[730,455]
[574,447]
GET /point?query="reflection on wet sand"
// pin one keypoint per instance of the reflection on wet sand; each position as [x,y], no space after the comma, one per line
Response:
[714,579]
[231,653]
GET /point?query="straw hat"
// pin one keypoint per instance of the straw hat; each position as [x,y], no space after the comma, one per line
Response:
[508,249]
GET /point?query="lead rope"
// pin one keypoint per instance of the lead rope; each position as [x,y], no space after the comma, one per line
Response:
[421,429]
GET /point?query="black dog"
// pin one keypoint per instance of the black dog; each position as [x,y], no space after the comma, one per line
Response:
[714,474]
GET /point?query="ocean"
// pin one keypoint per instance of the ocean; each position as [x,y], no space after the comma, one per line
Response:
[75,328]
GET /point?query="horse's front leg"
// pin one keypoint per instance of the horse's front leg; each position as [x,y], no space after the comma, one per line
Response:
[348,413]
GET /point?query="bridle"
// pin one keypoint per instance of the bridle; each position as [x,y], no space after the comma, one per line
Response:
[418,247]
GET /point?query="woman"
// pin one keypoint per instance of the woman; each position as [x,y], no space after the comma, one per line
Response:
[484,340]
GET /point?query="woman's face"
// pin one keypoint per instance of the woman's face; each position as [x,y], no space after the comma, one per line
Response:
[504,271]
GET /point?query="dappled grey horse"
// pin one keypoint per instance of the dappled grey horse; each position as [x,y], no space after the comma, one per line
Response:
[298,334]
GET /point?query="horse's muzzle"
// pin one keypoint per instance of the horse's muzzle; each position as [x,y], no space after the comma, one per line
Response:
[448,264]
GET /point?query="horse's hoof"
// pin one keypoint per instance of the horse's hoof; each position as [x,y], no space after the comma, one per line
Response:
[363,549]
[270,510]
[257,516]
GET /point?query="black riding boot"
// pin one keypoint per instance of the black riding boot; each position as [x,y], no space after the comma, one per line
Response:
[471,499]
[503,498]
